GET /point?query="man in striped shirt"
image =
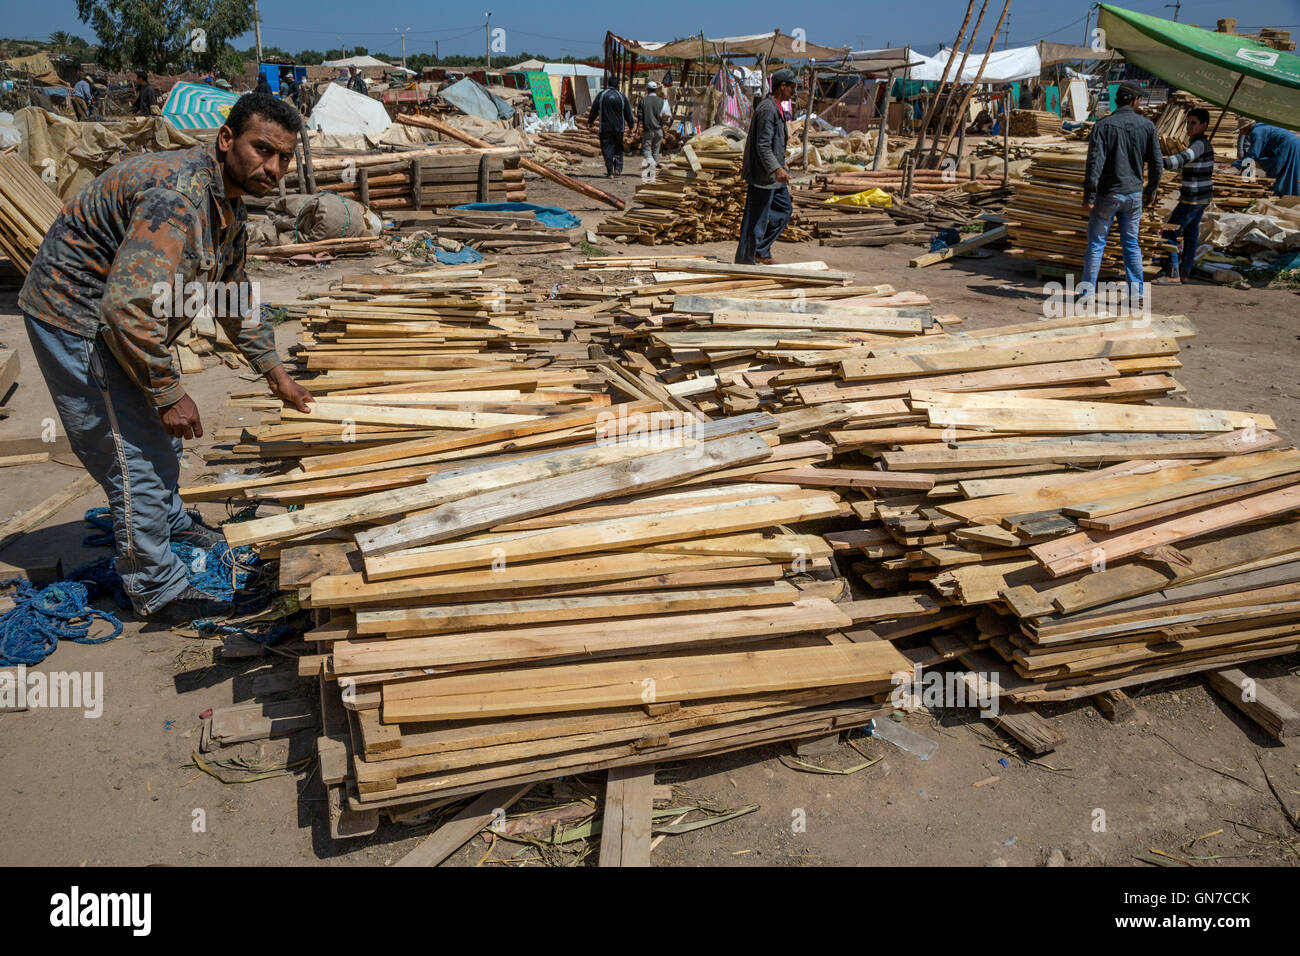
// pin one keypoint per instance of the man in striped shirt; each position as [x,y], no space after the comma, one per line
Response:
[1197,164]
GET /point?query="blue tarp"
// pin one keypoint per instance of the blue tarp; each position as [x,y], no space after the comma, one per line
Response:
[471,97]
[465,256]
[551,216]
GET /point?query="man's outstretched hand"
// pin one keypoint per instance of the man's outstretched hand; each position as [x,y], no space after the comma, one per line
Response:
[287,390]
[181,419]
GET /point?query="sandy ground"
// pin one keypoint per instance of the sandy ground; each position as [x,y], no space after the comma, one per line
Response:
[115,789]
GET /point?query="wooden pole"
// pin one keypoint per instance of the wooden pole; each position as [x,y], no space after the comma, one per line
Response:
[1224,111]
[956,82]
[943,78]
[1006,137]
[881,130]
[961,110]
[308,171]
[591,192]
[807,113]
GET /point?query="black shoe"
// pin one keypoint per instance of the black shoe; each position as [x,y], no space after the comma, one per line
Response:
[200,537]
[187,606]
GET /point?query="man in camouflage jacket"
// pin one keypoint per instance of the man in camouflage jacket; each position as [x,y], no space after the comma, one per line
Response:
[128,265]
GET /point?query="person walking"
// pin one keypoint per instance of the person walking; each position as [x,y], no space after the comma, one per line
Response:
[653,113]
[1194,195]
[110,292]
[1120,147]
[615,114]
[767,200]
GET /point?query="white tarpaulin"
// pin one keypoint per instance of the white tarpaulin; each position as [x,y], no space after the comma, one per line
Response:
[340,110]
[758,44]
[358,62]
[1003,66]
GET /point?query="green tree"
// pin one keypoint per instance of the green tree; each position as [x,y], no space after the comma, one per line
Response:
[60,41]
[159,35]
[310,58]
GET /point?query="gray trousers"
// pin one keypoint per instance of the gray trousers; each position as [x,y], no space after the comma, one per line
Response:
[119,438]
[651,140]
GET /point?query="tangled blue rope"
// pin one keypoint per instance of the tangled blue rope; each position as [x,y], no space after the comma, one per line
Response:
[222,571]
[41,617]
[944,239]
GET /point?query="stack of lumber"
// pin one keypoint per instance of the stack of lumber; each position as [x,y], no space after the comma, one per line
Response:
[923,181]
[913,220]
[1171,125]
[1035,123]
[28,209]
[540,583]
[596,531]
[1232,191]
[439,176]
[697,196]
[498,230]
[1048,222]
[1076,539]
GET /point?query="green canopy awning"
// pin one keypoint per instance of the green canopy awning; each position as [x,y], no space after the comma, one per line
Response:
[1210,65]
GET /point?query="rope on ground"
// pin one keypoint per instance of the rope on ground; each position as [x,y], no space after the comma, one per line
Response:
[41,617]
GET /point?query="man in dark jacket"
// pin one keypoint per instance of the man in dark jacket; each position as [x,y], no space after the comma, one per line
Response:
[615,114]
[1120,146]
[767,202]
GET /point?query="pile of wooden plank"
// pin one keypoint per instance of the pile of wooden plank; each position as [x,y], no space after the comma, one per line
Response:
[1054,531]
[923,180]
[914,220]
[28,208]
[1232,191]
[1048,222]
[544,535]
[1171,125]
[427,178]
[698,196]
[501,231]
[1035,123]
[517,580]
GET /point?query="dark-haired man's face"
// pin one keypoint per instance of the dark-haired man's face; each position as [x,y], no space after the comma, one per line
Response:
[258,158]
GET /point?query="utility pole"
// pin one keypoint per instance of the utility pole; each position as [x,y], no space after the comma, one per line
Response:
[1087,21]
[257,34]
[1177,5]
[403,33]
[343,51]
[487,39]
[436,58]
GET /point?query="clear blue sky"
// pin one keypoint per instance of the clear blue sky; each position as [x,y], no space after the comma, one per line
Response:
[577,27]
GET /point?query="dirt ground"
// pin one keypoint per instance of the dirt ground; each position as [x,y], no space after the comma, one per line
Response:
[1185,777]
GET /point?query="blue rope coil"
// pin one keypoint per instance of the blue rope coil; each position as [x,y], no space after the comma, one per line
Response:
[41,617]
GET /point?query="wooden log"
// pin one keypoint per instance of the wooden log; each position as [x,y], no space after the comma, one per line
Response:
[568,182]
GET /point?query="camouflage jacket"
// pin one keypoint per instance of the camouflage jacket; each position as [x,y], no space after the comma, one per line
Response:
[138,253]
